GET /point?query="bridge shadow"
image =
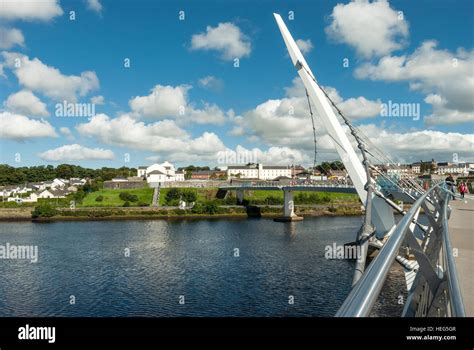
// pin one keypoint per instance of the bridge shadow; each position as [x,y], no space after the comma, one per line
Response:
[253,211]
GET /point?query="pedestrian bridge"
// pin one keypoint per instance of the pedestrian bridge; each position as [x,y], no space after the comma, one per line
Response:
[288,191]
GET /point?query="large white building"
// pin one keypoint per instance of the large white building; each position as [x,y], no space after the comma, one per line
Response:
[453,168]
[158,173]
[258,171]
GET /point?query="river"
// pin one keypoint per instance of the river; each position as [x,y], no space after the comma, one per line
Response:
[221,267]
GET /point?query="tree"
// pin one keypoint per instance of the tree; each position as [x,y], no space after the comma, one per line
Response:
[172,194]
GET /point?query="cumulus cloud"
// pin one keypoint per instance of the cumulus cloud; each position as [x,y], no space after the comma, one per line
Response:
[66,132]
[76,152]
[18,127]
[371,28]
[211,83]
[25,102]
[29,10]
[94,5]
[172,101]
[10,37]
[226,38]
[432,71]
[39,77]
[98,100]
[162,136]
[305,46]
[286,121]
[426,144]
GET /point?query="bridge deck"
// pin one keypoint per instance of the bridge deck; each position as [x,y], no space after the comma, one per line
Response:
[461,231]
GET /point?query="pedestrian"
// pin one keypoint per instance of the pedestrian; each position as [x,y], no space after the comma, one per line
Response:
[462,189]
[450,182]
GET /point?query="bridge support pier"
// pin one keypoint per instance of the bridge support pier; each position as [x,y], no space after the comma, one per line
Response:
[240,196]
[288,208]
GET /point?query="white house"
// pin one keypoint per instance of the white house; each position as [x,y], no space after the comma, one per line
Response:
[59,183]
[158,173]
[258,171]
[50,193]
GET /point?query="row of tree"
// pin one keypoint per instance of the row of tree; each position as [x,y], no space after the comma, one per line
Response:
[13,176]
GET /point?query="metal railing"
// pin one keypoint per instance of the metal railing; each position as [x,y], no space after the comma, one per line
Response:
[435,290]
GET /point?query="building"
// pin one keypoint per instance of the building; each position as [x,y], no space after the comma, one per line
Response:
[208,174]
[159,173]
[258,171]
[399,170]
[297,170]
[125,183]
[52,193]
[453,168]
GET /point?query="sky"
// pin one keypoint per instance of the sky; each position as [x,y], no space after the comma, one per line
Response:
[210,82]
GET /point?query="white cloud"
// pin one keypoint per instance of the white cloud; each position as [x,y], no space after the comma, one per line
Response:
[444,115]
[10,37]
[67,133]
[30,10]
[211,83]
[424,144]
[168,101]
[18,127]
[372,28]
[226,38]
[76,152]
[165,137]
[98,100]
[286,122]
[25,102]
[273,155]
[447,77]
[94,5]
[38,77]
[304,45]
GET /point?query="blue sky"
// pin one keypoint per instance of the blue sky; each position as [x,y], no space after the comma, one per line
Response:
[425,57]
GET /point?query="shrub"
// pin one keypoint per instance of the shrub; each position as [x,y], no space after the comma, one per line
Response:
[128,197]
[189,195]
[99,198]
[126,204]
[172,194]
[142,204]
[79,196]
[43,211]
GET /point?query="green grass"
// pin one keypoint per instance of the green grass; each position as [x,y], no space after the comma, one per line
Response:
[279,194]
[111,197]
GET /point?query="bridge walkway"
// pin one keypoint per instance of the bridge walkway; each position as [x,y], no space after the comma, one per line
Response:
[461,232]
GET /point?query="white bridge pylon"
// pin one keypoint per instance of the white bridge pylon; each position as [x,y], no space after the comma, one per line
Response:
[383,218]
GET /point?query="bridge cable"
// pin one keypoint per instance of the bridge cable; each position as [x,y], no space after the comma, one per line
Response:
[367,227]
[314,132]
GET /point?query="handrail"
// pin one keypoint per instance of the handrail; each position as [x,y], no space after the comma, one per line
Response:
[362,297]
[452,274]
[364,294]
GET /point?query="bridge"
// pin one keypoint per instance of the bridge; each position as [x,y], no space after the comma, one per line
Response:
[288,191]
[437,257]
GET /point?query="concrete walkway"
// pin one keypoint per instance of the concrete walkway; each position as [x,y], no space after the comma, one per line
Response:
[461,232]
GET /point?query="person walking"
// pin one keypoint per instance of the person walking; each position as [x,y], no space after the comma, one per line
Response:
[450,182]
[462,189]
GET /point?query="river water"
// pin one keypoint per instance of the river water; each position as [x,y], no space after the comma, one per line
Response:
[221,267]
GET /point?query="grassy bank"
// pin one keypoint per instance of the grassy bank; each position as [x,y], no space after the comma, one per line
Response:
[110,198]
[103,213]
